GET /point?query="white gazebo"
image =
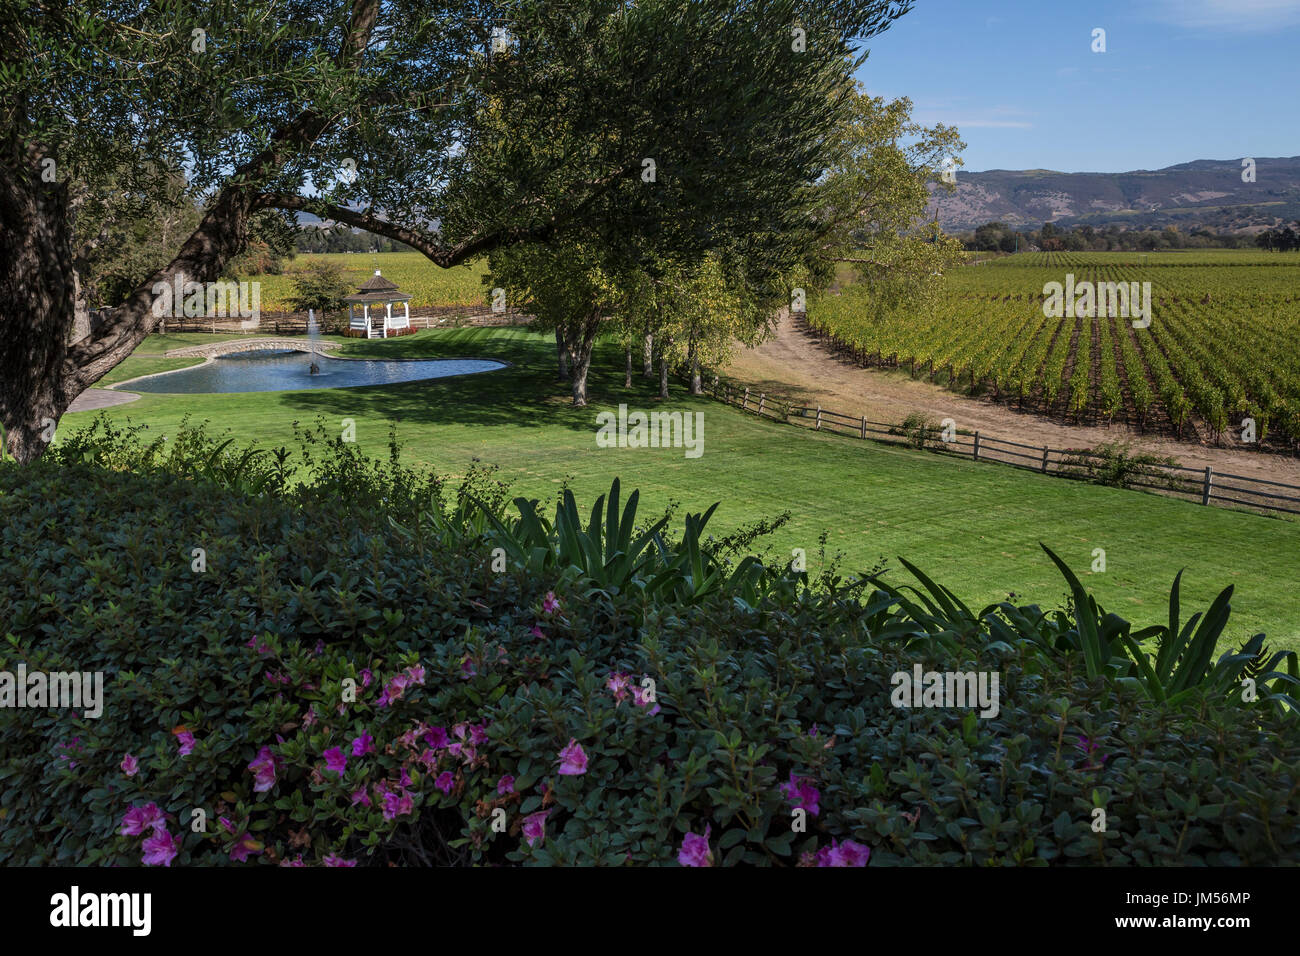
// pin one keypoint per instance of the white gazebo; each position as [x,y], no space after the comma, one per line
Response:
[374,291]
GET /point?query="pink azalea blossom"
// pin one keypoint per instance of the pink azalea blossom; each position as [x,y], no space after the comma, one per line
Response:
[535,827]
[416,674]
[695,849]
[641,697]
[445,781]
[295,863]
[366,678]
[264,767]
[336,760]
[573,761]
[506,785]
[537,632]
[245,847]
[478,734]
[436,737]
[467,669]
[550,604]
[397,804]
[333,860]
[618,683]
[847,853]
[185,740]
[130,766]
[309,718]
[365,744]
[802,794]
[160,848]
[361,797]
[139,819]
[393,690]
[405,779]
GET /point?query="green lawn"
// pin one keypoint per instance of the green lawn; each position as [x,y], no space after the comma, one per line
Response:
[972,526]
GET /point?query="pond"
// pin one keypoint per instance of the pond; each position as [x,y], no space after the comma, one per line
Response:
[279,371]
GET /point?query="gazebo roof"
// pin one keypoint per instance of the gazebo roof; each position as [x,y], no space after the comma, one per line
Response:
[377,289]
[377,283]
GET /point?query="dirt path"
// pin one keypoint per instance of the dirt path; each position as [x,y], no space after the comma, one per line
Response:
[794,363]
[95,398]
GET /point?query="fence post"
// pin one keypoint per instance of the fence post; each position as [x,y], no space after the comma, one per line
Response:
[1209,483]
[864,427]
[745,401]
[1044,459]
[762,397]
[976,454]
[819,416]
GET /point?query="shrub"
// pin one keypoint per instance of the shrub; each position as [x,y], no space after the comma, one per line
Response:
[520,717]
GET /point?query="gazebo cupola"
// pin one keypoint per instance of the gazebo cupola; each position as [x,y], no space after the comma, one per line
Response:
[378,291]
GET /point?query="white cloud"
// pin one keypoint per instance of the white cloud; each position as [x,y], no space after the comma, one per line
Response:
[1240,16]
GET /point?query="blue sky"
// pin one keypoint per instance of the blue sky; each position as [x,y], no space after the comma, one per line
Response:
[1180,80]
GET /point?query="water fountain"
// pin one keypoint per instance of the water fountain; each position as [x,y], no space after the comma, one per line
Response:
[313,336]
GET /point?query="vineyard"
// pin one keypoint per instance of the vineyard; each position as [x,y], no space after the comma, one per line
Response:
[1221,346]
[427,284]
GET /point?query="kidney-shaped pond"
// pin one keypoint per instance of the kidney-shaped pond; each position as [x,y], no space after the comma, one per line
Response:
[276,371]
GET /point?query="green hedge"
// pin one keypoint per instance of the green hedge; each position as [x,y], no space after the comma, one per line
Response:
[307,588]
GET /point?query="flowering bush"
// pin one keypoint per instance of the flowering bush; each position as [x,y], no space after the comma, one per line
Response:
[331,691]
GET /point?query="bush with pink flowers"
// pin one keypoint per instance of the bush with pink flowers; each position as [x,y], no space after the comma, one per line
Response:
[338,691]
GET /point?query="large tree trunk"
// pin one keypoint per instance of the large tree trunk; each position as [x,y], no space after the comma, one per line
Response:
[697,387]
[40,371]
[649,368]
[36,303]
[562,353]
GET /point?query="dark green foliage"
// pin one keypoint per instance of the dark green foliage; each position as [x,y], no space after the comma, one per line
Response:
[326,579]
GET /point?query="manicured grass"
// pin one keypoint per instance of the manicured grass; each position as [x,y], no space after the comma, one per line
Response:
[972,526]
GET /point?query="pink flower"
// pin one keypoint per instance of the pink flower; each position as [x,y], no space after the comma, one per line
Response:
[361,797]
[333,860]
[309,718]
[264,767]
[405,779]
[160,849]
[416,674]
[695,849]
[467,669]
[641,697]
[573,762]
[506,785]
[185,739]
[295,863]
[139,819]
[335,760]
[535,828]
[366,678]
[365,744]
[245,847]
[130,766]
[445,781]
[618,682]
[550,604]
[397,804]
[478,734]
[537,632]
[436,737]
[847,853]
[393,691]
[801,793]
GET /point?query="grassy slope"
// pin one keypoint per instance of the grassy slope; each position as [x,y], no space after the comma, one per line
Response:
[972,526]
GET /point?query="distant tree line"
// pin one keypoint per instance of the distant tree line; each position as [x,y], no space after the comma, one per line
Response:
[1280,239]
[999,237]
